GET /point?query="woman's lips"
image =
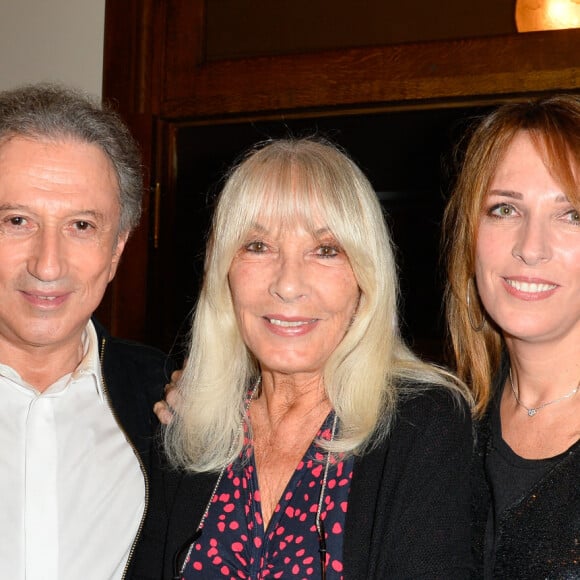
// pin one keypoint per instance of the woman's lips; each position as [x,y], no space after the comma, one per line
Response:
[530,289]
[284,326]
[289,323]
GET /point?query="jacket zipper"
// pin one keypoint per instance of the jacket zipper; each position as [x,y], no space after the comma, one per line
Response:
[141,464]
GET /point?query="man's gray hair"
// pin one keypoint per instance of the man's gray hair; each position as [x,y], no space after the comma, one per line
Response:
[51,111]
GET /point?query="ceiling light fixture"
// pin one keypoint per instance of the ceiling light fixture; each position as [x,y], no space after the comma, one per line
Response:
[547,14]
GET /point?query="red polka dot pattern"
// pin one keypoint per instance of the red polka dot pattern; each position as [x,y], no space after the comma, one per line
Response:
[234,545]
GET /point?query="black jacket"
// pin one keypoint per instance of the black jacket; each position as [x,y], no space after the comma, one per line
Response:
[409,504]
[134,376]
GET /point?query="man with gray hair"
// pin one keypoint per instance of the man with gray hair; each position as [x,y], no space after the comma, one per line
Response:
[76,418]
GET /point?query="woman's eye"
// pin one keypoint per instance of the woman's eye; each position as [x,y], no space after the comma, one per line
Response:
[256,246]
[573,216]
[328,251]
[502,210]
[17,221]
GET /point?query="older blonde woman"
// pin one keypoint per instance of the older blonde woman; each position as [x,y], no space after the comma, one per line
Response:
[310,442]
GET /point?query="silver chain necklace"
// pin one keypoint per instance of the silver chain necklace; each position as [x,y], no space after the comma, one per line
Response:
[318,520]
[533,410]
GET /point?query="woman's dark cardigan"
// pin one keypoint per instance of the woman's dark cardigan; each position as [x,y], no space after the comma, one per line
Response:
[409,504]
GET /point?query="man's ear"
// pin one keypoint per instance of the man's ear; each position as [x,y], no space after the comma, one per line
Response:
[117,252]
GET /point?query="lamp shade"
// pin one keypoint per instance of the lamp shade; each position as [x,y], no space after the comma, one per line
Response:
[547,14]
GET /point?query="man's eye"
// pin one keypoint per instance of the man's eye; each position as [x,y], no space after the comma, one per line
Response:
[82,226]
[17,221]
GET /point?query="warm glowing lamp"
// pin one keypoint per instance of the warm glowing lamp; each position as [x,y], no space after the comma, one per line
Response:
[547,14]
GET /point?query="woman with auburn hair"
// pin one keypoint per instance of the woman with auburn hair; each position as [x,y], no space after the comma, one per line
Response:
[309,441]
[513,308]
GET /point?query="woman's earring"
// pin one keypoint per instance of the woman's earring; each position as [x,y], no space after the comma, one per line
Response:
[476,327]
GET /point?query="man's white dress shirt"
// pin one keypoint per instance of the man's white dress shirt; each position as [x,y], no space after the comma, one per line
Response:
[72,493]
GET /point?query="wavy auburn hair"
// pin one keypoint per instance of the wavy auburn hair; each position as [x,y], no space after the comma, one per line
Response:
[553,124]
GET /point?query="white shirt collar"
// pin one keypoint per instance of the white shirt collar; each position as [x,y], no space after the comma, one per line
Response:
[90,365]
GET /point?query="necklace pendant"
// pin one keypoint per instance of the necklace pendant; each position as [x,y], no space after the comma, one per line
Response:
[532,412]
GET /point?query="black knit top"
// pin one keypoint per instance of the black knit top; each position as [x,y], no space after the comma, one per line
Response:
[527,511]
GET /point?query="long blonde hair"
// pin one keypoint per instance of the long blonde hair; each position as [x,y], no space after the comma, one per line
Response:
[554,127]
[291,180]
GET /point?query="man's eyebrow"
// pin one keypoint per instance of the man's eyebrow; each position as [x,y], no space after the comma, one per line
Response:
[88,212]
[79,213]
[13,206]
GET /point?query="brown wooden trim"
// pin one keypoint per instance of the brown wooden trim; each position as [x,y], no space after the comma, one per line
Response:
[404,73]
[160,259]
[129,50]
[125,303]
